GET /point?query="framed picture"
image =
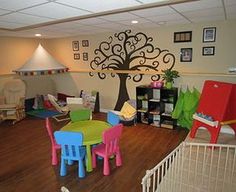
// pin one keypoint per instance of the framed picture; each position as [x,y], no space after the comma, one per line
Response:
[186,54]
[75,45]
[209,34]
[208,51]
[76,56]
[85,43]
[184,36]
[85,56]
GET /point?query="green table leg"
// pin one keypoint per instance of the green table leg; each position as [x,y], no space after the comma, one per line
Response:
[88,159]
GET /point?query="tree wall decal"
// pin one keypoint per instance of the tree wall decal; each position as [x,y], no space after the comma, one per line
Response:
[132,52]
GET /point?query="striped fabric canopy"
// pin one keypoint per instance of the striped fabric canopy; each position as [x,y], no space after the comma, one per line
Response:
[41,63]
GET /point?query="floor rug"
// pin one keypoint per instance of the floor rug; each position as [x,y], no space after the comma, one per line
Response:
[42,113]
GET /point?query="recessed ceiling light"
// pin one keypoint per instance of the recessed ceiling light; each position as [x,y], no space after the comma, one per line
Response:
[134,21]
[38,35]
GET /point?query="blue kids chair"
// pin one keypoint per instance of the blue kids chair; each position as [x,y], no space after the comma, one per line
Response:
[71,150]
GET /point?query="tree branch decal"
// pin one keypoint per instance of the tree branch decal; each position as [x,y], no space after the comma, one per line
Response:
[133,52]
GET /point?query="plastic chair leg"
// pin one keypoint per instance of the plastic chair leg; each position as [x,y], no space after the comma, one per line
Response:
[106,168]
[214,134]
[196,125]
[94,163]
[81,172]
[118,159]
[63,168]
[54,157]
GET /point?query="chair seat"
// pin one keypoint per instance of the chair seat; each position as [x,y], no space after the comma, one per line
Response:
[100,149]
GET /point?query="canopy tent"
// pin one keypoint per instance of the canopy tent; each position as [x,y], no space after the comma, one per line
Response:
[41,63]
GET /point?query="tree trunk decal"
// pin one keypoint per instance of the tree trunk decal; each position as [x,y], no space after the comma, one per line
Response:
[126,51]
[123,92]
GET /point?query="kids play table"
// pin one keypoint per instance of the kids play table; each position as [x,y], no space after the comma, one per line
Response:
[92,132]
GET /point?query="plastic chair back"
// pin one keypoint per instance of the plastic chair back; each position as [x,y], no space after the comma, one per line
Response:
[49,130]
[80,115]
[111,139]
[71,145]
[70,142]
[55,146]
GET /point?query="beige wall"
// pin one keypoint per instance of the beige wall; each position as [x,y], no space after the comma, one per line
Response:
[15,51]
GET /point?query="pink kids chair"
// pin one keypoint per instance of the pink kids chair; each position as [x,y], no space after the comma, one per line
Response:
[55,146]
[108,148]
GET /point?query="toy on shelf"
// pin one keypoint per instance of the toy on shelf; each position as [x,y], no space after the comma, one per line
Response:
[217,107]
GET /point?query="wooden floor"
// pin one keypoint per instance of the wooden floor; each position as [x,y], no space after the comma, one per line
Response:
[25,161]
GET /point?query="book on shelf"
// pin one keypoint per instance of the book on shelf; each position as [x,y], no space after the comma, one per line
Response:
[167,124]
[144,110]
[156,117]
[156,123]
[169,107]
[144,121]
[154,100]
[154,112]
[167,114]
[156,93]
[144,118]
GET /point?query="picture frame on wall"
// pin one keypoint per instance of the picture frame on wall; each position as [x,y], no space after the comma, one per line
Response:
[186,54]
[208,51]
[183,36]
[209,34]
[75,45]
[85,56]
[76,56]
[85,43]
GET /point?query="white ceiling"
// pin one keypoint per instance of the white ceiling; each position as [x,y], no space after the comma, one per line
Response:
[63,18]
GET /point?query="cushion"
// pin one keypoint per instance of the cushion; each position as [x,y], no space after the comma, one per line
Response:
[127,111]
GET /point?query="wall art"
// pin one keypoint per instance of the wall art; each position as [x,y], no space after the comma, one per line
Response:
[208,51]
[121,53]
[75,45]
[85,56]
[76,56]
[85,43]
[186,54]
[183,36]
[209,34]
